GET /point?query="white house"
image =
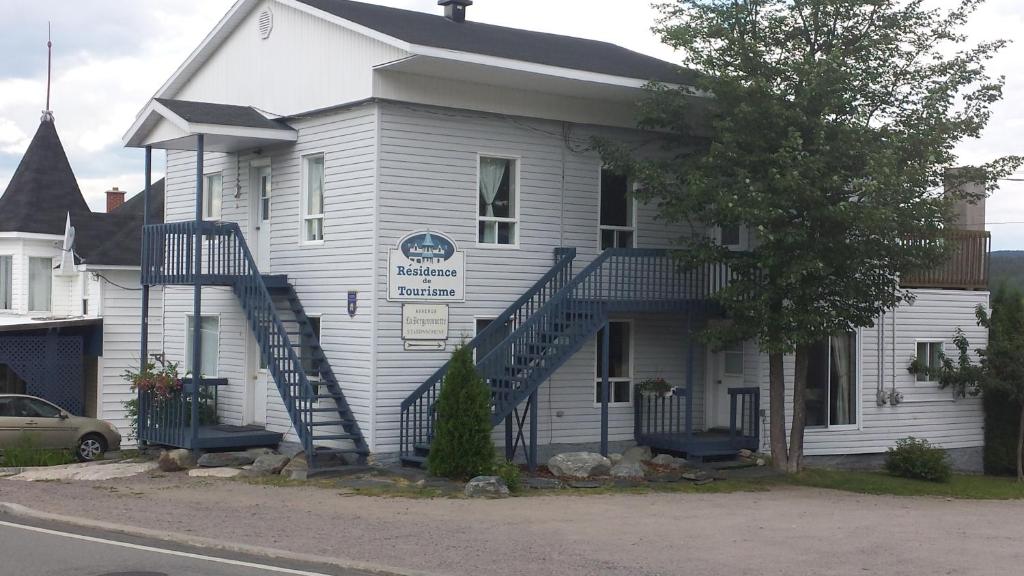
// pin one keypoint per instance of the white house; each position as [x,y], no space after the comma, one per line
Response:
[379,185]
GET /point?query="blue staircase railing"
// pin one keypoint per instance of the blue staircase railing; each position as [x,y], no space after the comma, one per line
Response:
[619,279]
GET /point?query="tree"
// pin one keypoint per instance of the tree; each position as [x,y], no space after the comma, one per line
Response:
[462,446]
[825,128]
[1003,359]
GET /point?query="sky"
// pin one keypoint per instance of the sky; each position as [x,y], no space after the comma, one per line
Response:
[110,57]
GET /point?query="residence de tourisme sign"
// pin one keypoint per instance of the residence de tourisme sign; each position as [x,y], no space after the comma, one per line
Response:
[426,266]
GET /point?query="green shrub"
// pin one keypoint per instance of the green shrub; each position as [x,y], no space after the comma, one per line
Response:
[1001,420]
[510,473]
[25,452]
[462,446]
[918,459]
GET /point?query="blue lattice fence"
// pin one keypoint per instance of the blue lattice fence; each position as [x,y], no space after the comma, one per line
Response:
[50,365]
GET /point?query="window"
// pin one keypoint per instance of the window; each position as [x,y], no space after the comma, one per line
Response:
[831,398]
[617,227]
[732,359]
[498,200]
[620,363]
[313,199]
[929,354]
[212,192]
[36,408]
[10,382]
[40,284]
[730,235]
[209,343]
[307,346]
[6,277]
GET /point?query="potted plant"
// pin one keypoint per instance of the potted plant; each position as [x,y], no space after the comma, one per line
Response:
[655,387]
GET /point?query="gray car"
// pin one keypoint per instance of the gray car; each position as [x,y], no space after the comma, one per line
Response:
[51,427]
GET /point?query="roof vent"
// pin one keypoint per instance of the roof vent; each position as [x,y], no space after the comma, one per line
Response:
[265,23]
[455,10]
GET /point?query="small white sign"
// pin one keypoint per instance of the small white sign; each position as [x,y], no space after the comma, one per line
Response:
[425,322]
[426,266]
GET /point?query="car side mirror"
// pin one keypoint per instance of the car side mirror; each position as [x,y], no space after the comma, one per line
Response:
[64,415]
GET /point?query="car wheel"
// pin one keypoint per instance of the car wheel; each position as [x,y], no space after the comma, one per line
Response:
[91,447]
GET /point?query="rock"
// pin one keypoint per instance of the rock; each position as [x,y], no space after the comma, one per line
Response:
[269,464]
[289,449]
[615,458]
[695,476]
[627,469]
[226,459]
[535,483]
[744,453]
[297,468]
[584,484]
[760,462]
[257,452]
[87,471]
[668,461]
[704,481]
[579,465]
[653,475]
[637,454]
[214,472]
[176,460]
[486,487]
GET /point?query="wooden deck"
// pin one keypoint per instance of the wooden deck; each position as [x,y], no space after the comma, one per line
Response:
[710,444]
[225,436]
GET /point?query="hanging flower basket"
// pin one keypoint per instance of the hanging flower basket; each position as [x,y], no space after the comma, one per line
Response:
[655,387]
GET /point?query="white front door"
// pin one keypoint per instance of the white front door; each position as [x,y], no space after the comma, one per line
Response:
[725,371]
[258,386]
[260,213]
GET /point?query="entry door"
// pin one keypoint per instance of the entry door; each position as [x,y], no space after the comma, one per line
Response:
[259,386]
[260,214]
[726,372]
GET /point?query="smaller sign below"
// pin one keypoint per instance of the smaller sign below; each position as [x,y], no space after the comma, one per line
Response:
[425,322]
[425,345]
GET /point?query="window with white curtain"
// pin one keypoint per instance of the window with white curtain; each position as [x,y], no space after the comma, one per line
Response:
[40,284]
[498,200]
[213,189]
[929,354]
[6,279]
[209,343]
[831,395]
[313,199]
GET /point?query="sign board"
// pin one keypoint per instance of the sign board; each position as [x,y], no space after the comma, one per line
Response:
[425,322]
[426,266]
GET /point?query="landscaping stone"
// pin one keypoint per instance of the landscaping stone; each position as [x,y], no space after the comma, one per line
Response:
[226,459]
[744,453]
[627,469]
[663,475]
[535,483]
[704,481]
[615,458]
[269,464]
[486,487]
[637,454]
[584,484]
[668,461]
[257,452]
[579,465]
[695,476]
[297,468]
[289,449]
[176,460]
[214,472]
[86,471]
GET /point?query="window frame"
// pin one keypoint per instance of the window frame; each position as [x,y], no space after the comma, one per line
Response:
[631,379]
[305,216]
[28,283]
[9,287]
[942,350]
[742,238]
[630,190]
[186,356]
[516,192]
[858,351]
[737,348]
[207,197]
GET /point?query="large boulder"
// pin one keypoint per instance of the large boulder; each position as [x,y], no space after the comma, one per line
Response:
[629,470]
[297,468]
[486,487]
[176,460]
[637,454]
[269,464]
[226,459]
[579,465]
[668,461]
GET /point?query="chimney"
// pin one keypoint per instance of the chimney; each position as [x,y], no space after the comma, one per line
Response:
[115,198]
[970,213]
[455,10]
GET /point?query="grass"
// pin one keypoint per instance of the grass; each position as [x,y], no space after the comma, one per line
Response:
[962,486]
[23,453]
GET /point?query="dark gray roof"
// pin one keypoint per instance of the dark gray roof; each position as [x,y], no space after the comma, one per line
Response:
[43,189]
[516,44]
[223,114]
[115,238]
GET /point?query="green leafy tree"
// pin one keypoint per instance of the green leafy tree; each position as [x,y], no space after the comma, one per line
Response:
[462,446]
[825,128]
[1003,359]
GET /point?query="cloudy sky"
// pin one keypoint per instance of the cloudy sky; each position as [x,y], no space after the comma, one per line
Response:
[110,56]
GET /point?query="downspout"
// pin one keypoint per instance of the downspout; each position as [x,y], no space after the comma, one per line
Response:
[880,399]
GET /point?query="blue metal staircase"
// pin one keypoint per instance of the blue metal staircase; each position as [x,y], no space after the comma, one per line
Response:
[534,337]
[319,414]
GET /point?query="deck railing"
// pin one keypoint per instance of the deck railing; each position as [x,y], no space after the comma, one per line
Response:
[966,269]
[166,420]
[745,415]
[665,420]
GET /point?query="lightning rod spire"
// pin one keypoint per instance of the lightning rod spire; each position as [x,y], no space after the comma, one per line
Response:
[48,114]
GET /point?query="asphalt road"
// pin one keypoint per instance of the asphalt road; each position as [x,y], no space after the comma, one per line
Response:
[30,548]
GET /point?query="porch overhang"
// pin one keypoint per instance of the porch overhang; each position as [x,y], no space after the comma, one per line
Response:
[175,124]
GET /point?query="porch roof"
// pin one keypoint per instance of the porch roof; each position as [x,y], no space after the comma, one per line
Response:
[20,323]
[174,124]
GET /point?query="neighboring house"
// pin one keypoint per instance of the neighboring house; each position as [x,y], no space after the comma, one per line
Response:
[377,186]
[69,285]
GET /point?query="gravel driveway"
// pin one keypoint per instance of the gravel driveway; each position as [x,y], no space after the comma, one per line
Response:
[787,531]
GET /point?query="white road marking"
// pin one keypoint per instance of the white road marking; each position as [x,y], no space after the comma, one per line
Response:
[227,561]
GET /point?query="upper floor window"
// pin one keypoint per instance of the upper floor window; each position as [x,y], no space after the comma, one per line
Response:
[213,188]
[618,228]
[929,355]
[6,279]
[40,284]
[313,199]
[498,200]
[209,344]
[831,395]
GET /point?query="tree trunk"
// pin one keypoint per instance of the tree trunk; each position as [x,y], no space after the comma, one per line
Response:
[796,433]
[777,411]
[1020,446]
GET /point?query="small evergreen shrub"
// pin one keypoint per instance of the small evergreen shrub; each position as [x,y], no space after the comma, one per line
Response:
[510,473]
[462,446]
[919,460]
